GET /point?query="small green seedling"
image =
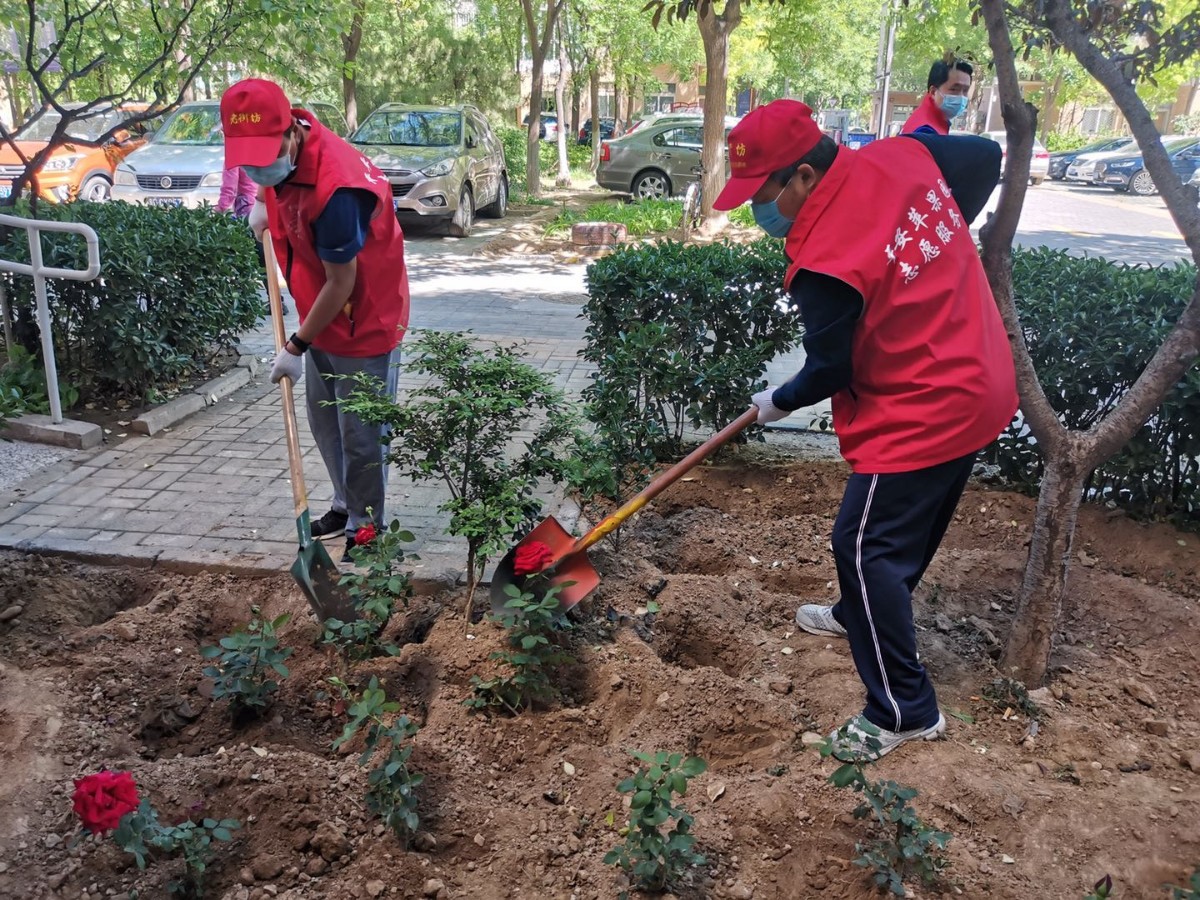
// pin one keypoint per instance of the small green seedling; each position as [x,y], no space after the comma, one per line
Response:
[652,859]
[1102,889]
[245,663]
[374,589]
[141,834]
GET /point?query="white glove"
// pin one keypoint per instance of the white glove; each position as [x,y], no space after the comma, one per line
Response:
[258,219]
[287,364]
[768,411]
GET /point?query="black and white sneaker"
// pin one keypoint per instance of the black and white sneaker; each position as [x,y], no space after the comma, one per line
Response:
[333,522]
[346,557]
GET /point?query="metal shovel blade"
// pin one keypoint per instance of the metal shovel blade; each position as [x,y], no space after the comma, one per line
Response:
[572,572]
[318,577]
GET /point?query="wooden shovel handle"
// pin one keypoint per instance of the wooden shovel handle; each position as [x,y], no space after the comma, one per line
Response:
[299,493]
[667,478]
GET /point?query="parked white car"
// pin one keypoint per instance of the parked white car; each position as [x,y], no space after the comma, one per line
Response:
[1083,169]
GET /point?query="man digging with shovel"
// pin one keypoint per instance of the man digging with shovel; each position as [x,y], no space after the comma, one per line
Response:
[332,226]
[901,330]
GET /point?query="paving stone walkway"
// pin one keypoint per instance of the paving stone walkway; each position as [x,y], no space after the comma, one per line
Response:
[213,492]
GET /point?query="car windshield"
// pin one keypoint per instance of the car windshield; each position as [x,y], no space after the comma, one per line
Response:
[195,125]
[88,129]
[413,128]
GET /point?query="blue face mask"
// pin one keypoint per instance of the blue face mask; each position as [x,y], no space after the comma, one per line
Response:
[770,219]
[953,105]
[273,174]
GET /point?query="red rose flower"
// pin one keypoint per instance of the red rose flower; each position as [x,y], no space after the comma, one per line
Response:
[364,535]
[531,557]
[102,799]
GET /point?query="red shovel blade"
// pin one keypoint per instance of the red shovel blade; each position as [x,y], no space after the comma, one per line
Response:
[564,567]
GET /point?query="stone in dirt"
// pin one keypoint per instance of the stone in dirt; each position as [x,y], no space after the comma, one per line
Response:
[433,887]
[1156,727]
[12,612]
[1191,760]
[375,888]
[330,841]
[266,867]
[740,891]
[781,685]
[316,866]
[1140,693]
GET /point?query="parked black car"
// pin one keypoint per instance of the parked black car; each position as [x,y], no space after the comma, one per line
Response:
[607,129]
[1127,172]
[1063,158]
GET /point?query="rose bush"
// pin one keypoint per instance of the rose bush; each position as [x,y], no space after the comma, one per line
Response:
[364,535]
[103,798]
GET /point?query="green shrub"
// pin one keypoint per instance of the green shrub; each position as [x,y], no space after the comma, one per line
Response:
[1091,327]
[742,215]
[175,286]
[1069,140]
[579,159]
[641,218]
[23,386]
[680,335]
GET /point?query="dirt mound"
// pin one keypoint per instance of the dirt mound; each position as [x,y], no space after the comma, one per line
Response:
[102,667]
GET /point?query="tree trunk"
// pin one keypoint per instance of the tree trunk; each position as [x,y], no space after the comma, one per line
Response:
[631,96]
[1039,607]
[1050,116]
[560,101]
[539,47]
[594,90]
[617,126]
[714,31]
[351,42]
[576,104]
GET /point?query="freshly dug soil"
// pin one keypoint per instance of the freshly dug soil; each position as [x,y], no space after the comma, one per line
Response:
[101,668]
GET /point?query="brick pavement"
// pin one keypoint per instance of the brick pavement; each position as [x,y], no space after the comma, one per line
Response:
[213,492]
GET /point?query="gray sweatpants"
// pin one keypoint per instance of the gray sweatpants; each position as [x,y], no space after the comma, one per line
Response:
[353,451]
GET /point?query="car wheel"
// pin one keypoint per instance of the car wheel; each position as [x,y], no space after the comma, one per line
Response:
[1142,184]
[96,190]
[464,217]
[651,185]
[498,207]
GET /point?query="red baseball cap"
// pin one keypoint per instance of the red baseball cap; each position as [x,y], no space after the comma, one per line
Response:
[768,139]
[254,114]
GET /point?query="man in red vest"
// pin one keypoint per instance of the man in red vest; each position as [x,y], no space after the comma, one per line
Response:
[948,88]
[335,233]
[901,330]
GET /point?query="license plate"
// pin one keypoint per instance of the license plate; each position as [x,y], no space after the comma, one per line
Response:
[5,189]
[164,201]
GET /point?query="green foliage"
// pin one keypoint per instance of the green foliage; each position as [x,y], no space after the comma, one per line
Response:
[374,586]
[654,859]
[1091,327]
[640,218]
[391,784]
[742,215]
[680,335]
[245,663]
[1008,692]
[1189,124]
[531,624]
[141,834]
[176,286]
[460,428]
[1069,140]
[1102,889]
[23,386]
[904,846]
[579,159]
[1190,892]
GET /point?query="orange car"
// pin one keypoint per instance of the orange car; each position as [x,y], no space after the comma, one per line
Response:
[73,171]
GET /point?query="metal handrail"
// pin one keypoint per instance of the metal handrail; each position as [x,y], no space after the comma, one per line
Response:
[33,231]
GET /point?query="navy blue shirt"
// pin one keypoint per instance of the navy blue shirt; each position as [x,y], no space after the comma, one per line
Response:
[830,308]
[340,231]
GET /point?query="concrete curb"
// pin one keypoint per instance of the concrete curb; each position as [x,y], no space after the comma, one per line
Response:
[39,429]
[153,421]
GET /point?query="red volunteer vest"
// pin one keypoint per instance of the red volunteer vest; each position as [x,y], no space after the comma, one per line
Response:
[929,114]
[933,375]
[376,315]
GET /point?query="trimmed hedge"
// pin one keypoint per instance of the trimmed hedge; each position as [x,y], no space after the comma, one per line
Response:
[1092,326]
[176,286]
[680,335]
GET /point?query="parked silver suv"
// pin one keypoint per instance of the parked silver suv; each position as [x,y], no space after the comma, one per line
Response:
[444,163]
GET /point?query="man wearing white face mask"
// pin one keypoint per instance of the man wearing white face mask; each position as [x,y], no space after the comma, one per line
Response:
[949,86]
[901,331]
[334,232]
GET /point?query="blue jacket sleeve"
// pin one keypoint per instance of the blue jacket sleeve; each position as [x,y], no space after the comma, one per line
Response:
[830,309]
[341,229]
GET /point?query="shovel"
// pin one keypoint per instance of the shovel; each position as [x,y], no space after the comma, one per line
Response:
[313,570]
[568,566]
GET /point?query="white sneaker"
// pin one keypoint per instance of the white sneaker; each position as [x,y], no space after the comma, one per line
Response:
[819,620]
[861,741]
